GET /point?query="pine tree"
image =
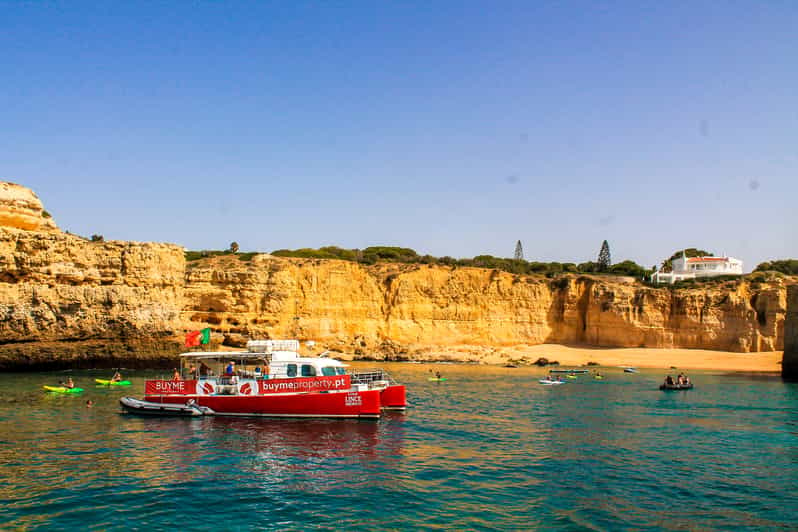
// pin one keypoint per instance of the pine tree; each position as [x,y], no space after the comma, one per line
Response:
[604,261]
[519,251]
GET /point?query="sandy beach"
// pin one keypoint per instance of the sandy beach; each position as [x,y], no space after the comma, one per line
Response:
[660,358]
[638,357]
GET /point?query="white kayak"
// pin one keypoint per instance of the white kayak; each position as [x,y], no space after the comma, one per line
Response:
[548,382]
[136,406]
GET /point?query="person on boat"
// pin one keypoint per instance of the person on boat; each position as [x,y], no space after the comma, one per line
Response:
[117,377]
[176,375]
[669,380]
[204,370]
[69,383]
[230,369]
[192,372]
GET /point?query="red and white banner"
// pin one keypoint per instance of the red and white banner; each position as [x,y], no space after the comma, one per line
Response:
[309,384]
[170,387]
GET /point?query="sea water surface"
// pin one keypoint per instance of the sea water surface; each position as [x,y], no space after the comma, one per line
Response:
[488,449]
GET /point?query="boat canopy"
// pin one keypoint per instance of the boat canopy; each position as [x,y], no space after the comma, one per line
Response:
[223,354]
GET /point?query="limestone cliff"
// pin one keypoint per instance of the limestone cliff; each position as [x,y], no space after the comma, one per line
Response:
[67,301]
[20,208]
[64,298]
[394,308]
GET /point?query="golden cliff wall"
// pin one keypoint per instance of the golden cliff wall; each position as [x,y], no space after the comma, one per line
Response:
[64,298]
[66,302]
[392,307]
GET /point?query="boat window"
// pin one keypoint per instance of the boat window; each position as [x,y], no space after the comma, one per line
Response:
[290,370]
[308,370]
[341,371]
[329,371]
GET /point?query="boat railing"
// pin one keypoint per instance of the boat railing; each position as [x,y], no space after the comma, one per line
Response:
[371,375]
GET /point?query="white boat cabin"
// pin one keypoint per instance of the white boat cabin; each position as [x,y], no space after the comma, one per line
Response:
[263,359]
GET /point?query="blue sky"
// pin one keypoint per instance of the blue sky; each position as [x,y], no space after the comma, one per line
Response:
[455,128]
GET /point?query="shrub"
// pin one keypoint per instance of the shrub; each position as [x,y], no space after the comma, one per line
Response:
[786,266]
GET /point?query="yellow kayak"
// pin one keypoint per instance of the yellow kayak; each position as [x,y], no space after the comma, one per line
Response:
[106,382]
[62,389]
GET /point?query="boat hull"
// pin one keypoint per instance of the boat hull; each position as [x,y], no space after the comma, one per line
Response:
[675,387]
[332,404]
[393,398]
[145,408]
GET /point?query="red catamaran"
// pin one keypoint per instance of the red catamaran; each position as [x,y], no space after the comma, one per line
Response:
[271,379]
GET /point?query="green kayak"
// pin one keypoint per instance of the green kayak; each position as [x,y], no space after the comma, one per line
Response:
[106,382]
[436,379]
[62,389]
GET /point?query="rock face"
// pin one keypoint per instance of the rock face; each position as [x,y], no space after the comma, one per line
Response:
[20,208]
[789,364]
[349,307]
[60,291]
[66,301]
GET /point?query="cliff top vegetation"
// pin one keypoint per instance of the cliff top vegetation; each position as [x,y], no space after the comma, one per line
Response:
[375,254]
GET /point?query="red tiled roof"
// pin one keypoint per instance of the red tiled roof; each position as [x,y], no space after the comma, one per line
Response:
[708,259]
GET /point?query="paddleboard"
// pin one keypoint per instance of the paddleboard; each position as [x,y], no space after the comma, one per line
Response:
[62,389]
[571,377]
[106,382]
[547,382]
[598,377]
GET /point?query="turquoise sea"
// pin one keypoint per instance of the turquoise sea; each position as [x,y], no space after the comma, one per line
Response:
[488,449]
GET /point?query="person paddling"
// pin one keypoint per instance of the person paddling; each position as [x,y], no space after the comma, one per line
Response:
[117,377]
[69,384]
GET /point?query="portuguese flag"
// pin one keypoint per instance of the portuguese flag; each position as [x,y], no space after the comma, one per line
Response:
[195,338]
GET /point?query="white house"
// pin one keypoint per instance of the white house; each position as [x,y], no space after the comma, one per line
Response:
[693,267]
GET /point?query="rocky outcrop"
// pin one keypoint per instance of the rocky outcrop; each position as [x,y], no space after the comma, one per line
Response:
[57,289]
[789,364]
[20,208]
